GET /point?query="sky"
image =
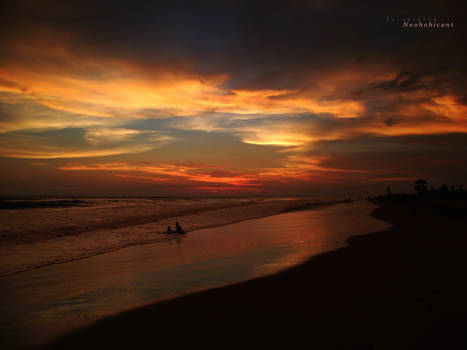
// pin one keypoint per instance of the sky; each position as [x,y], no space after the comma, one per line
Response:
[231,98]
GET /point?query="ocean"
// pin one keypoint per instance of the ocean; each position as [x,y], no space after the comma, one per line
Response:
[39,232]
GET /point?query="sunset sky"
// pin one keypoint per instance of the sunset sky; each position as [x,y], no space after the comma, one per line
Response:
[318,98]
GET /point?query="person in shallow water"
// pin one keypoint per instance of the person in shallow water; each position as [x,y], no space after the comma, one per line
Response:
[178,228]
[169,229]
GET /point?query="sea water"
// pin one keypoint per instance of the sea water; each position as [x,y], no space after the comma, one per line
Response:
[35,233]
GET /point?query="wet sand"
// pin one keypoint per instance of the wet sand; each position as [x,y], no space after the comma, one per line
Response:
[400,288]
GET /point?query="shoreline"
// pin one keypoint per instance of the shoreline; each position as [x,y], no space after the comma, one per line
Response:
[297,205]
[401,286]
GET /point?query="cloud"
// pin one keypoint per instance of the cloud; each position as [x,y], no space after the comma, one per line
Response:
[260,93]
[405,81]
[294,168]
[161,172]
[6,85]
[19,112]
[107,136]
[78,143]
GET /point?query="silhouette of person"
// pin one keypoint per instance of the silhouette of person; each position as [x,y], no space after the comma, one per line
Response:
[169,229]
[178,228]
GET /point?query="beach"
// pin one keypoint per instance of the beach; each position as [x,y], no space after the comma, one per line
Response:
[39,305]
[402,287]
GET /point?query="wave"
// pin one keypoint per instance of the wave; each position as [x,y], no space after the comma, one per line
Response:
[30,204]
[35,237]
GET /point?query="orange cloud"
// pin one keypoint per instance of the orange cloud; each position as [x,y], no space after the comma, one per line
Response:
[165,171]
[120,89]
[293,168]
[101,142]
[447,106]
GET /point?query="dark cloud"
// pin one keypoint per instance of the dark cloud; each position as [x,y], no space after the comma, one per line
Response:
[438,158]
[390,121]
[261,44]
[405,81]
[13,85]
[463,100]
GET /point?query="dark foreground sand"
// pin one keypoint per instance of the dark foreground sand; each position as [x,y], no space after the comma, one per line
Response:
[401,288]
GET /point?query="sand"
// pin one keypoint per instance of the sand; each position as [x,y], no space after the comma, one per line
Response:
[399,288]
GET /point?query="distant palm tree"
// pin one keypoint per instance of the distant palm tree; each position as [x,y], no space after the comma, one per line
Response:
[420,186]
